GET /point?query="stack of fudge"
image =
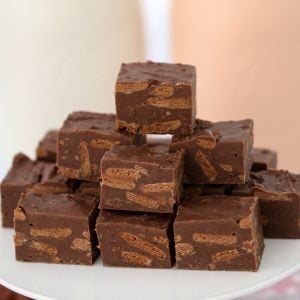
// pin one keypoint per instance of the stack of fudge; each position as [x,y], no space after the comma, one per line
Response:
[205,200]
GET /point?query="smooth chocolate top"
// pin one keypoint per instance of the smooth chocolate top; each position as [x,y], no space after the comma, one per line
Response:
[134,218]
[156,73]
[220,131]
[24,171]
[215,208]
[82,120]
[49,141]
[144,154]
[71,205]
[263,155]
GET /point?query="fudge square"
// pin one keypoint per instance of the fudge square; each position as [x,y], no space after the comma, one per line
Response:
[156,98]
[217,153]
[279,200]
[56,228]
[218,233]
[47,147]
[135,240]
[135,178]
[23,175]
[263,159]
[82,141]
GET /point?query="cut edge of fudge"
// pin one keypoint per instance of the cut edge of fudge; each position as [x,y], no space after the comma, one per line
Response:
[162,87]
[132,230]
[230,247]
[203,148]
[79,157]
[124,167]
[278,192]
[41,233]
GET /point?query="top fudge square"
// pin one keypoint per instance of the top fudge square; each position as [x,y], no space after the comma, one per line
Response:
[156,98]
[83,140]
[217,153]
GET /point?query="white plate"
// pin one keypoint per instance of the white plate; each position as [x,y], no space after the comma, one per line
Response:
[43,281]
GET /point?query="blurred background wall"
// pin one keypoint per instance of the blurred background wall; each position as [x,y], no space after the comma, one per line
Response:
[247,55]
[57,56]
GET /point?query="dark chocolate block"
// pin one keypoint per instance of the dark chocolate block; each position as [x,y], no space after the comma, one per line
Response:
[135,240]
[56,228]
[83,139]
[218,233]
[89,188]
[217,153]
[156,98]
[135,178]
[263,159]
[279,200]
[47,148]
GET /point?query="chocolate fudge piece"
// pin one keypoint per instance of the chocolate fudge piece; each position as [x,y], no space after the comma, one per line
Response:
[279,199]
[135,240]
[217,153]
[27,175]
[82,141]
[23,175]
[218,233]
[263,159]
[47,148]
[135,178]
[56,228]
[89,188]
[156,98]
